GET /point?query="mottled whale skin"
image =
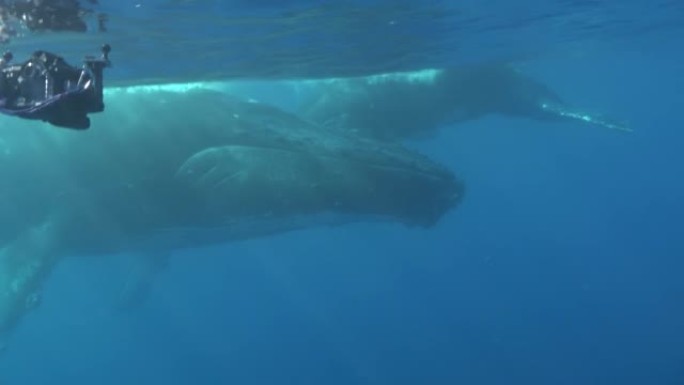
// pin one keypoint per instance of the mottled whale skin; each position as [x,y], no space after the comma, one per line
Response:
[163,170]
[413,105]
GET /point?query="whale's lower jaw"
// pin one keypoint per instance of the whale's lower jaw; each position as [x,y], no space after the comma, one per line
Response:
[180,238]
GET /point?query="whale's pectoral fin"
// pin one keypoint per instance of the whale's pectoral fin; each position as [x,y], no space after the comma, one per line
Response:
[140,280]
[565,112]
[25,263]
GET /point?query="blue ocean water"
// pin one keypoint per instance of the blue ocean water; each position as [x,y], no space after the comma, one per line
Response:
[562,265]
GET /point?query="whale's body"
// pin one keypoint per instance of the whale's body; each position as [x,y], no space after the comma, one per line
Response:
[415,104]
[164,170]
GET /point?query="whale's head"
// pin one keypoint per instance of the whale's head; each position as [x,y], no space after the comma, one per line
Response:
[237,181]
[272,164]
[496,88]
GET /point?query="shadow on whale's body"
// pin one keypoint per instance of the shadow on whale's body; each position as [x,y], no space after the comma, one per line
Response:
[407,105]
[165,169]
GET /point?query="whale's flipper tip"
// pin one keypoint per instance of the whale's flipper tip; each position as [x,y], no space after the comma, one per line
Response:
[595,119]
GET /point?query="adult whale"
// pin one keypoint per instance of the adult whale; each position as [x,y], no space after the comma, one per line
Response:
[164,170]
[405,105]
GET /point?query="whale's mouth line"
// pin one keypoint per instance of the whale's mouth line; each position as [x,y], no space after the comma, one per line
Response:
[439,174]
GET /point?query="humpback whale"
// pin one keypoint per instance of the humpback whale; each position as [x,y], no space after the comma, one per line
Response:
[406,105]
[166,169]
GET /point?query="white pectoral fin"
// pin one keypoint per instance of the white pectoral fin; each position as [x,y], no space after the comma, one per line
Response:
[595,119]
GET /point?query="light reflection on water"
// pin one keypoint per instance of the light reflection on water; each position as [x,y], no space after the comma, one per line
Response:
[164,40]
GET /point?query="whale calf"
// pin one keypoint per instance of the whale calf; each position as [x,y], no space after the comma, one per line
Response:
[165,169]
[414,104]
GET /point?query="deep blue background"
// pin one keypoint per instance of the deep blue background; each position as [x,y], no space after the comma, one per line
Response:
[562,266]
